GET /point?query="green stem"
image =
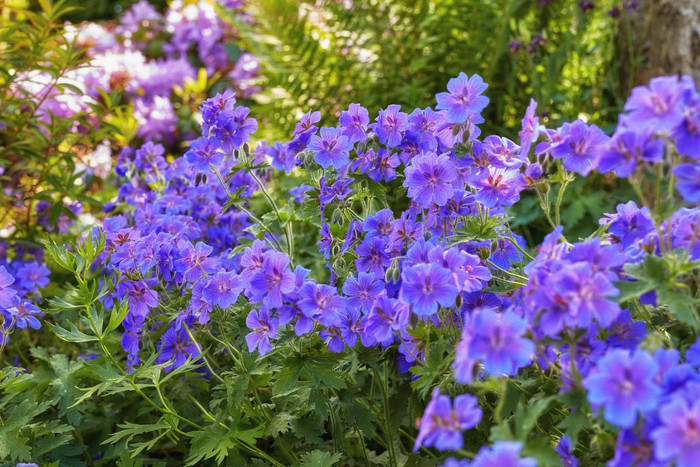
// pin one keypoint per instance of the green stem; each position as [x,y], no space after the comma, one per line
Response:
[560,196]
[137,389]
[657,199]
[544,204]
[403,342]
[518,276]
[671,177]
[384,386]
[201,352]
[287,226]
[248,213]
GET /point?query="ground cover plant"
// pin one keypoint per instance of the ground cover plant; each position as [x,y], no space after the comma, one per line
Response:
[356,294]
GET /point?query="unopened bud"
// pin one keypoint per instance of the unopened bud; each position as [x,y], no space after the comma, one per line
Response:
[389,274]
[396,275]
[484,253]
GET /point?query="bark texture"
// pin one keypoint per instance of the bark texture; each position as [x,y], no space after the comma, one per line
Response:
[671,45]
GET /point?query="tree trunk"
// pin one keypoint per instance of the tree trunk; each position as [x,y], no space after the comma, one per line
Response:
[665,34]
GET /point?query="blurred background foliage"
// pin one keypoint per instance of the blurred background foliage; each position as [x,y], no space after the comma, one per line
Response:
[327,54]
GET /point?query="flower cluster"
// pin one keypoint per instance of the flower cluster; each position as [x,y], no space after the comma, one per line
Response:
[121,58]
[185,245]
[22,275]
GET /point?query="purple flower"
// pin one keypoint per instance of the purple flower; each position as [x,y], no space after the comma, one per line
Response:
[307,123]
[345,332]
[425,124]
[364,162]
[499,186]
[326,240]
[333,339]
[281,157]
[503,453]
[379,224]
[23,313]
[387,316]
[141,298]
[176,345]
[332,148]
[426,286]
[391,122]
[33,276]
[530,131]
[386,163]
[6,292]
[565,453]
[252,259]
[658,106]
[264,327]
[272,280]
[581,146]
[133,327]
[362,291]
[430,179]
[464,97]
[630,223]
[506,252]
[624,384]
[573,295]
[677,439]
[404,231]
[213,107]
[443,422]
[626,149]
[299,193]
[371,256]
[688,182]
[203,153]
[687,134]
[501,152]
[413,144]
[223,289]
[497,340]
[354,122]
[194,262]
[234,128]
[464,363]
[320,302]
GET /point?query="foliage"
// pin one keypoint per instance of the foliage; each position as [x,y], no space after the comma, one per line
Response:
[326,55]
[356,293]
[39,150]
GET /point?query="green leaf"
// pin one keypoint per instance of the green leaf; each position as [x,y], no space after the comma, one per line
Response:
[543,451]
[74,335]
[680,305]
[128,431]
[216,441]
[526,416]
[119,312]
[432,368]
[280,423]
[12,444]
[320,458]
[574,423]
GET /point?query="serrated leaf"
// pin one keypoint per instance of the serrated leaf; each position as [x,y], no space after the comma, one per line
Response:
[119,312]
[216,441]
[680,305]
[280,423]
[72,335]
[319,458]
